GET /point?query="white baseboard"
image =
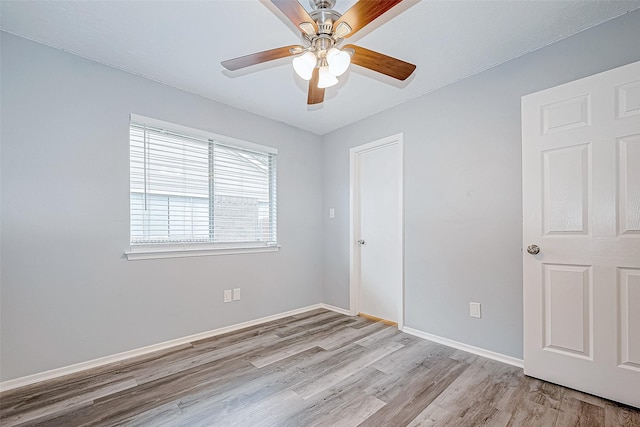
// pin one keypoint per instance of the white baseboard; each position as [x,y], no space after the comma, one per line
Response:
[90,364]
[336,309]
[466,347]
[95,363]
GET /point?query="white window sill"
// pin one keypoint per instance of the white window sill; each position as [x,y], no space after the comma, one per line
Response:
[141,252]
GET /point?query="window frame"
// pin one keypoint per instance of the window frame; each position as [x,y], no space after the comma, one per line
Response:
[143,251]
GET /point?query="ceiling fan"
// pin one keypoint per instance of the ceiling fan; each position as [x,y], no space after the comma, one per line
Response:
[319,58]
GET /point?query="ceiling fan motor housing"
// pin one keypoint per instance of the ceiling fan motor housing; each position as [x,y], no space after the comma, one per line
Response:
[325,19]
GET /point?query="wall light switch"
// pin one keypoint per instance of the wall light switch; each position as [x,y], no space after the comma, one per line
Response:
[474,309]
[236,294]
[332,213]
[227,295]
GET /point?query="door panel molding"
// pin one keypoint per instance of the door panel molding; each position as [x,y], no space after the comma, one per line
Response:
[629,185]
[628,96]
[566,114]
[568,309]
[566,189]
[629,318]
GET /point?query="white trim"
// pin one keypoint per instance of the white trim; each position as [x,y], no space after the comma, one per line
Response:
[466,347]
[337,309]
[354,255]
[95,363]
[155,252]
[174,127]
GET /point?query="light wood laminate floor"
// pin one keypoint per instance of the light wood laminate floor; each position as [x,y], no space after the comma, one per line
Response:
[318,368]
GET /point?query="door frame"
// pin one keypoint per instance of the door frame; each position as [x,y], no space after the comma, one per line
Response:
[354,224]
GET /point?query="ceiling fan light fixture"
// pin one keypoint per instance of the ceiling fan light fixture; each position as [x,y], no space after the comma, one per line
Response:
[326,78]
[304,65]
[338,61]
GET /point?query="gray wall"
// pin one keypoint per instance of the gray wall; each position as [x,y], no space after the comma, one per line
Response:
[463,193]
[68,295]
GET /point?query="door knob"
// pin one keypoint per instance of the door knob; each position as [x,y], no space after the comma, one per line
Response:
[533,249]
[361,242]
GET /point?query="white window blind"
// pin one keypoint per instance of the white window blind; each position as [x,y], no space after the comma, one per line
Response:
[189,188]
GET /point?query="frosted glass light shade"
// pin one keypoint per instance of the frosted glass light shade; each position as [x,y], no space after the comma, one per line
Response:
[304,65]
[338,60]
[325,78]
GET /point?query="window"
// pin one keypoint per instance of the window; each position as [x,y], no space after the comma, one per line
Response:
[196,191]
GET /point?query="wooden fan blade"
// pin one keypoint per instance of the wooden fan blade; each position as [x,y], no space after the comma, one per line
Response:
[258,58]
[316,95]
[363,12]
[384,64]
[295,12]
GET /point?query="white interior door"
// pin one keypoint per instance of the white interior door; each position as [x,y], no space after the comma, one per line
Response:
[581,207]
[377,229]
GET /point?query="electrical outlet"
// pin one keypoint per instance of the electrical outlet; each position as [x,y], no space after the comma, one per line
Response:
[236,294]
[474,310]
[227,295]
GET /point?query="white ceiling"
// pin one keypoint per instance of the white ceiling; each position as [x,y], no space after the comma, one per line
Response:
[182,42]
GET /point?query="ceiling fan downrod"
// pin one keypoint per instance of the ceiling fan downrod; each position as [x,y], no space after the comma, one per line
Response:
[324,15]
